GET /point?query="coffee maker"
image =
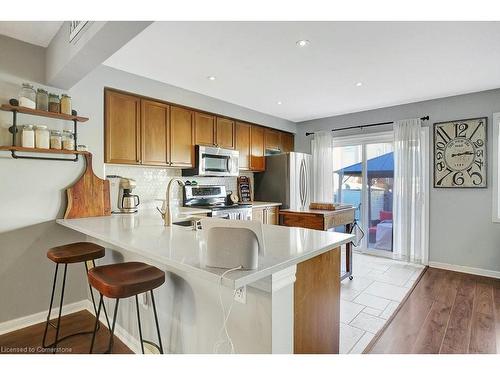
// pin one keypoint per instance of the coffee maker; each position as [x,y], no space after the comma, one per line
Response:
[122,199]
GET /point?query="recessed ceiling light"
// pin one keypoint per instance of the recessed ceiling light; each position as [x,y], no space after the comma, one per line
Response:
[211,78]
[302,43]
[279,103]
[359,84]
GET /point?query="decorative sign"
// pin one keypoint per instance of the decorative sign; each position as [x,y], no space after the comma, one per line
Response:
[460,153]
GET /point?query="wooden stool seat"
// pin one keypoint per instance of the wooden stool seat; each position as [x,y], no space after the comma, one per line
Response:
[75,252]
[127,279]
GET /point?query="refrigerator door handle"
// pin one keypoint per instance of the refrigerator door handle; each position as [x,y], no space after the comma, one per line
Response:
[302,184]
[306,183]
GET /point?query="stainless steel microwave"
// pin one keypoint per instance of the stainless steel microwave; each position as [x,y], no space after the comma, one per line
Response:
[214,161]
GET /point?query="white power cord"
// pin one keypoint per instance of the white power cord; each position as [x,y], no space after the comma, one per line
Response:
[225,317]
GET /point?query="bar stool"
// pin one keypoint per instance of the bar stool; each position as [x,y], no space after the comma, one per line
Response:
[125,280]
[77,252]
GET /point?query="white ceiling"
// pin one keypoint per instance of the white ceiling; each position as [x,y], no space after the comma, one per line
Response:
[39,33]
[258,64]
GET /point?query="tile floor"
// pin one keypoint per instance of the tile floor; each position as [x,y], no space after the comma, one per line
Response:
[367,301]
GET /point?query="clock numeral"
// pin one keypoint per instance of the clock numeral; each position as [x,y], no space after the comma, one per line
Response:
[439,155]
[442,133]
[475,130]
[440,146]
[479,153]
[472,175]
[479,143]
[461,130]
[440,166]
[479,163]
[458,178]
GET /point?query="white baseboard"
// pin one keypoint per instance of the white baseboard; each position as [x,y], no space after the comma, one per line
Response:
[465,269]
[26,321]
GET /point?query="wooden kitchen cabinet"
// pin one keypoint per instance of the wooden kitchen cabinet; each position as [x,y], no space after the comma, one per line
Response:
[154,132]
[286,142]
[258,214]
[204,129]
[224,133]
[272,140]
[123,127]
[243,145]
[181,138]
[257,149]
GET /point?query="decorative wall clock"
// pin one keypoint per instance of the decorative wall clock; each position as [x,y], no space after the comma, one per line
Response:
[460,153]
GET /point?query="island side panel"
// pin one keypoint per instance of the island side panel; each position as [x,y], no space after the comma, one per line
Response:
[317,304]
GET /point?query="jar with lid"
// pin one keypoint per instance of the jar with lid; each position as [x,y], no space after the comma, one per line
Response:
[42,137]
[68,140]
[66,104]
[42,100]
[55,139]
[54,103]
[28,136]
[27,96]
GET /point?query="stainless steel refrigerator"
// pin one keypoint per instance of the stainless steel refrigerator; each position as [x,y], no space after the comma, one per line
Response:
[287,179]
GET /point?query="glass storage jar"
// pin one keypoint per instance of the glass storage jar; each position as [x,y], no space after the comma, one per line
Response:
[68,140]
[42,100]
[55,139]
[27,96]
[54,103]
[28,136]
[66,104]
[42,137]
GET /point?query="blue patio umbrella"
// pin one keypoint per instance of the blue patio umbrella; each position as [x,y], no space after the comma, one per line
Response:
[380,166]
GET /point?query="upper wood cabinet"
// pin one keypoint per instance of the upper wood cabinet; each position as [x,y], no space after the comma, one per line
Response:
[287,142]
[154,132]
[257,149]
[272,140]
[243,144]
[181,137]
[224,133]
[204,129]
[122,128]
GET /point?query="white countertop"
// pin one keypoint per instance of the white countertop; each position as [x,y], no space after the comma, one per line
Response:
[183,249]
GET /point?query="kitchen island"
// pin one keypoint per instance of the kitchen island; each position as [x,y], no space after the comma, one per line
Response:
[269,321]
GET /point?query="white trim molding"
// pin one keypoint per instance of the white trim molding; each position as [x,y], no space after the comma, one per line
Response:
[466,269]
[39,317]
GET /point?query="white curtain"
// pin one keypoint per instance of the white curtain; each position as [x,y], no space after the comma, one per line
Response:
[408,195]
[322,166]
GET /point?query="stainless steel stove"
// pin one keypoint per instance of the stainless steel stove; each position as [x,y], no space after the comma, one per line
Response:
[213,197]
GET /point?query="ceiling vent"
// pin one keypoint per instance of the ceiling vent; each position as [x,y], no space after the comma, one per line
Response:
[76,30]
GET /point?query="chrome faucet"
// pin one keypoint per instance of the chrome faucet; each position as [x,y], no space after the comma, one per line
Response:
[166,214]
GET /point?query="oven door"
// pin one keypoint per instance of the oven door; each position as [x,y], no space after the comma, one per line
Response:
[217,162]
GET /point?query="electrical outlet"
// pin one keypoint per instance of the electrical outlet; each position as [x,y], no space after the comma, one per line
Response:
[240,295]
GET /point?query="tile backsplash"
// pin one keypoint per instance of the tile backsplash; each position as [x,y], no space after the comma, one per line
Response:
[152,182]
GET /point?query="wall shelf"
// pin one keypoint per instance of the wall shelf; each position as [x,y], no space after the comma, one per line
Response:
[35,112]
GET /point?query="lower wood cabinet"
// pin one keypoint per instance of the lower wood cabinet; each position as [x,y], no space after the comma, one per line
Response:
[266,215]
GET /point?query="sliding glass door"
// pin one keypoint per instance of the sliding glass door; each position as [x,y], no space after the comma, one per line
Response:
[364,177]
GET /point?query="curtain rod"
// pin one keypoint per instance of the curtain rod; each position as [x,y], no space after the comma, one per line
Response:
[368,125]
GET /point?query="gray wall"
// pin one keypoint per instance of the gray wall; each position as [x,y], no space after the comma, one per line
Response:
[33,191]
[461,229]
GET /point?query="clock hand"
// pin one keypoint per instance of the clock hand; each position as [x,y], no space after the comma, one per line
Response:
[463,153]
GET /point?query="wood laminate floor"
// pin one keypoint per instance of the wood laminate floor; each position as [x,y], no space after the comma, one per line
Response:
[447,312]
[29,339]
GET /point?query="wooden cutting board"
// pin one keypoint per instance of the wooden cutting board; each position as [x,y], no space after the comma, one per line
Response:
[89,196]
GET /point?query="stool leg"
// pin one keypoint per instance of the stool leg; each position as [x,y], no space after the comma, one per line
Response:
[93,300]
[111,338]
[60,307]
[139,322]
[156,321]
[96,324]
[50,307]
